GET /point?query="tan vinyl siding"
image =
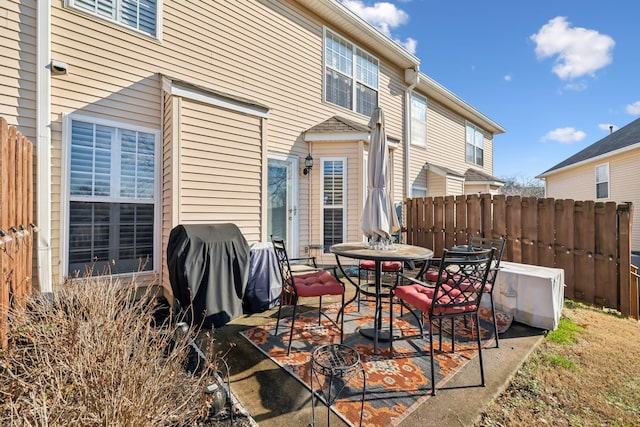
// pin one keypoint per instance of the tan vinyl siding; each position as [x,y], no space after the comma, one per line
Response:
[18,69]
[579,183]
[221,165]
[455,187]
[355,187]
[446,147]
[445,138]
[436,185]
[270,52]
[169,166]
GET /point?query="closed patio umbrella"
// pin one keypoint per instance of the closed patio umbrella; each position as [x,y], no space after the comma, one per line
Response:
[379,219]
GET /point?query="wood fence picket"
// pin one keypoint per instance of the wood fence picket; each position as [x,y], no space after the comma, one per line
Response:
[16,222]
[590,241]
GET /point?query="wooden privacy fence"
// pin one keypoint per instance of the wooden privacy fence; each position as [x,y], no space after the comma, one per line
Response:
[16,223]
[590,240]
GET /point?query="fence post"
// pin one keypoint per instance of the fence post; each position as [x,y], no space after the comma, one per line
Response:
[606,254]
[529,230]
[460,228]
[628,286]
[564,243]
[546,232]
[583,249]
[514,228]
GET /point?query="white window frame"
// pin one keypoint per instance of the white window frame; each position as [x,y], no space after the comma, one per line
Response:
[418,121]
[473,141]
[353,75]
[343,206]
[116,16]
[66,198]
[419,189]
[604,166]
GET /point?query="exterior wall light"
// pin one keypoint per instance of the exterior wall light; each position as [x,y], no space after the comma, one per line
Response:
[308,164]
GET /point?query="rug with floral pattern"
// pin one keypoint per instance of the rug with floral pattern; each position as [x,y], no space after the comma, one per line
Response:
[395,384]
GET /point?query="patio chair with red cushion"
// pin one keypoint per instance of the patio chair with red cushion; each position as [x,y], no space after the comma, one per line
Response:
[457,292]
[391,268]
[476,243]
[306,283]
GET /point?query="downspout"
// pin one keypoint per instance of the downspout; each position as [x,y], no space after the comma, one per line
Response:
[43,143]
[412,77]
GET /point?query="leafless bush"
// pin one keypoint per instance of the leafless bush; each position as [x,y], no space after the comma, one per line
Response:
[92,355]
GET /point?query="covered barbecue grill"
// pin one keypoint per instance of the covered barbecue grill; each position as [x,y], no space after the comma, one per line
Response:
[208,270]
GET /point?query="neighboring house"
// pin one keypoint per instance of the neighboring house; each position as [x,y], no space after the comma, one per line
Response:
[607,170]
[147,114]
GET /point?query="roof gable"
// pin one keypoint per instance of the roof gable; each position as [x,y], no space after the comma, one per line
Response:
[624,137]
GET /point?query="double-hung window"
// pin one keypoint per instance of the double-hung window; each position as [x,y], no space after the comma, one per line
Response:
[602,181]
[333,201]
[350,75]
[418,120]
[141,15]
[111,198]
[474,145]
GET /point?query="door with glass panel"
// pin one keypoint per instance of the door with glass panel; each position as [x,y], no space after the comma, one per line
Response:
[282,210]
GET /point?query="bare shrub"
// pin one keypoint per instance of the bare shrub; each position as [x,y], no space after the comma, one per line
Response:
[92,355]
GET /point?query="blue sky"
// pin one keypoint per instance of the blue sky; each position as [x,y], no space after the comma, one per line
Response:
[554,73]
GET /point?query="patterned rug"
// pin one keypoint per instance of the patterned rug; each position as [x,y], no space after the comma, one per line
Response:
[395,386]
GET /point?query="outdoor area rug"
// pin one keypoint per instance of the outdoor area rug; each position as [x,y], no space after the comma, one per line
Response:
[395,386]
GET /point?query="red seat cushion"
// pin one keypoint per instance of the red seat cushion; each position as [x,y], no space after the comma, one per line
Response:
[432,275]
[386,265]
[466,285]
[317,284]
[421,298]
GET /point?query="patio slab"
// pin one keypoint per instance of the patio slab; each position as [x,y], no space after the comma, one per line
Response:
[274,398]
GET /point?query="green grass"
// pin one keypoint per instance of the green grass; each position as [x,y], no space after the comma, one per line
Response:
[557,360]
[567,332]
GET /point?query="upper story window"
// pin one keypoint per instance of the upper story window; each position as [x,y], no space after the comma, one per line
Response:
[602,181]
[141,15]
[474,145]
[418,120]
[350,75]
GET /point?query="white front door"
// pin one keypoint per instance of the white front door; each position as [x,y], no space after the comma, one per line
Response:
[282,201]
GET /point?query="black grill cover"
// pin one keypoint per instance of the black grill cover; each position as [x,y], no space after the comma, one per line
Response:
[208,270]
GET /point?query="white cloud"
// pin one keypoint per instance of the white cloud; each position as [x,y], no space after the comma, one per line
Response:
[634,109]
[566,135]
[608,127]
[384,16]
[579,51]
[507,77]
[576,86]
[409,44]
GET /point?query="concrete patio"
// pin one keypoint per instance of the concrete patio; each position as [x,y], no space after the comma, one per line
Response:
[274,398]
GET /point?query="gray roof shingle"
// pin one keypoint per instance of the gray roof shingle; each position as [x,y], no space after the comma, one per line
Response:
[337,124]
[474,175]
[624,137]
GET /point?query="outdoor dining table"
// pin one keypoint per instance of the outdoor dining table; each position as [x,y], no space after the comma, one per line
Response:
[360,251]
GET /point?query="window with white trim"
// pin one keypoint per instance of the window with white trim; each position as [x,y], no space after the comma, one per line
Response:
[350,75]
[141,15]
[602,181]
[112,199]
[418,120]
[333,202]
[474,151]
[418,191]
